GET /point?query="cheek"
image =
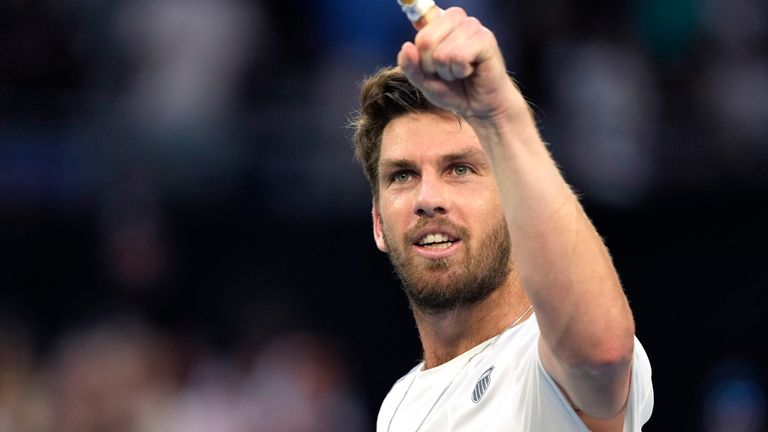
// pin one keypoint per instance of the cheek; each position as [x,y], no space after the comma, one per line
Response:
[483,209]
[488,197]
[399,204]
[480,197]
[386,221]
[396,211]
[494,205]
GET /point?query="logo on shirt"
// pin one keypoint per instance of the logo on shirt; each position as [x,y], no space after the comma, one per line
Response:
[482,385]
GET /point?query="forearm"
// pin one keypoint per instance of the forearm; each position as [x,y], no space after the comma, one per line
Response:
[563,264]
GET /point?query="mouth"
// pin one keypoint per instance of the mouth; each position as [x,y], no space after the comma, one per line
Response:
[436,241]
[435,245]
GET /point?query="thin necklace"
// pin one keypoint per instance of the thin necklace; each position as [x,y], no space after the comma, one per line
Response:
[440,396]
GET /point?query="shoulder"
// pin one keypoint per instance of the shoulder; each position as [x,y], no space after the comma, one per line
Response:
[396,394]
[402,383]
[520,341]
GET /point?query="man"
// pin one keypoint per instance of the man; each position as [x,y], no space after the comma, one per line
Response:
[522,318]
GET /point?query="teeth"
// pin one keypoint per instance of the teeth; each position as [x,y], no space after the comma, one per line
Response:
[442,240]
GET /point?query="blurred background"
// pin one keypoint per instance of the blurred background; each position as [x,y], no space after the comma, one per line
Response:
[185,240]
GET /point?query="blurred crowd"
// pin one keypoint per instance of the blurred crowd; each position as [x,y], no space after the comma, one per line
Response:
[122,376]
[184,163]
[198,99]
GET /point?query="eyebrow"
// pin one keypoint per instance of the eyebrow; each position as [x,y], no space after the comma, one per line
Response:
[472,155]
[476,156]
[388,165]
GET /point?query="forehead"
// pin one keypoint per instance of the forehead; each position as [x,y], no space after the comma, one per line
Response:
[424,136]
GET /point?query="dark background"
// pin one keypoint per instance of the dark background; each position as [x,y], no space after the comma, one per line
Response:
[184,167]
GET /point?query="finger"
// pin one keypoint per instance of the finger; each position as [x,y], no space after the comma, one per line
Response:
[463,57]
[409,61]
[454,57]
[461,70]
[428,38]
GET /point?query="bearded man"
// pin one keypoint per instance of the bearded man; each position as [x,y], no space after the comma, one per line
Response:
[522,318]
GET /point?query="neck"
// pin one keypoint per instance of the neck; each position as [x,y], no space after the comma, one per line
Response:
[447,334]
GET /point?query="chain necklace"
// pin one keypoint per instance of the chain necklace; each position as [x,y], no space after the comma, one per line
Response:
[442,393]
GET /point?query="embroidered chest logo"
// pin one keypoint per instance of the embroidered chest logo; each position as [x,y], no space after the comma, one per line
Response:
[482,385]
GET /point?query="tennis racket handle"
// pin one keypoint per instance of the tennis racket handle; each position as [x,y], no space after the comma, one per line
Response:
[420,12]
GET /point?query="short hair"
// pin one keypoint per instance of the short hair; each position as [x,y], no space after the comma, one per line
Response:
[384,96]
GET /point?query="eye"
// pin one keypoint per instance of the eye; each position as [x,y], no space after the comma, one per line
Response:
[401,176]
[461,170]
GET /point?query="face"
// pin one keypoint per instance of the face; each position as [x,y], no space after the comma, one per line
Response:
[439,213]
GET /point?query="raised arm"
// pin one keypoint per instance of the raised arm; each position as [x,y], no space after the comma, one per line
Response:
[586,324]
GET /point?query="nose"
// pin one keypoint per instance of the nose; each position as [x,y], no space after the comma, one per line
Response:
[431,199]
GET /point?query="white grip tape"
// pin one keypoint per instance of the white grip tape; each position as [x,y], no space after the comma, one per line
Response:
[416,9]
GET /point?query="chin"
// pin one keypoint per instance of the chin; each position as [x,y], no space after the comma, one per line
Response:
[443,293]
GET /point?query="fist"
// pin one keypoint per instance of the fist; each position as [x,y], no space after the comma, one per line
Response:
[456,62]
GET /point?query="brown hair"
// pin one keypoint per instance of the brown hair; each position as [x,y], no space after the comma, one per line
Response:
[384,96]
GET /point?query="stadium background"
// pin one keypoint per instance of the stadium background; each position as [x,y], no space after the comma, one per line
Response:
[185,238]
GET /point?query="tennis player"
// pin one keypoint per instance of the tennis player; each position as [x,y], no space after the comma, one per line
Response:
[522,318]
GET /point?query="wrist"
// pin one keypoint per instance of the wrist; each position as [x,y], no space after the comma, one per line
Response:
[506,107]
[515,124]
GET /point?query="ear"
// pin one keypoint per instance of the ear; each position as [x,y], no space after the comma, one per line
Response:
[378,233]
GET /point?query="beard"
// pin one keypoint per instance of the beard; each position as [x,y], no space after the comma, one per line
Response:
[460,280]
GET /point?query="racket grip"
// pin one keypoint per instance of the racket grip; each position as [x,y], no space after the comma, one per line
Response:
[420,12]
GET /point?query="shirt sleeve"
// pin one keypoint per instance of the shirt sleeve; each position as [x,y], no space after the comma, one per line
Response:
[640,402]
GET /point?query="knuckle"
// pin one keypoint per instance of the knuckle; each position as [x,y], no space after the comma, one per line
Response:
[472,22]
[456,12]
[448,57]
[424,40]
[487,33]
[441,55]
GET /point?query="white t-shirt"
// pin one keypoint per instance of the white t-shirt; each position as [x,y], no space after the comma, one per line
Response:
[499,385]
